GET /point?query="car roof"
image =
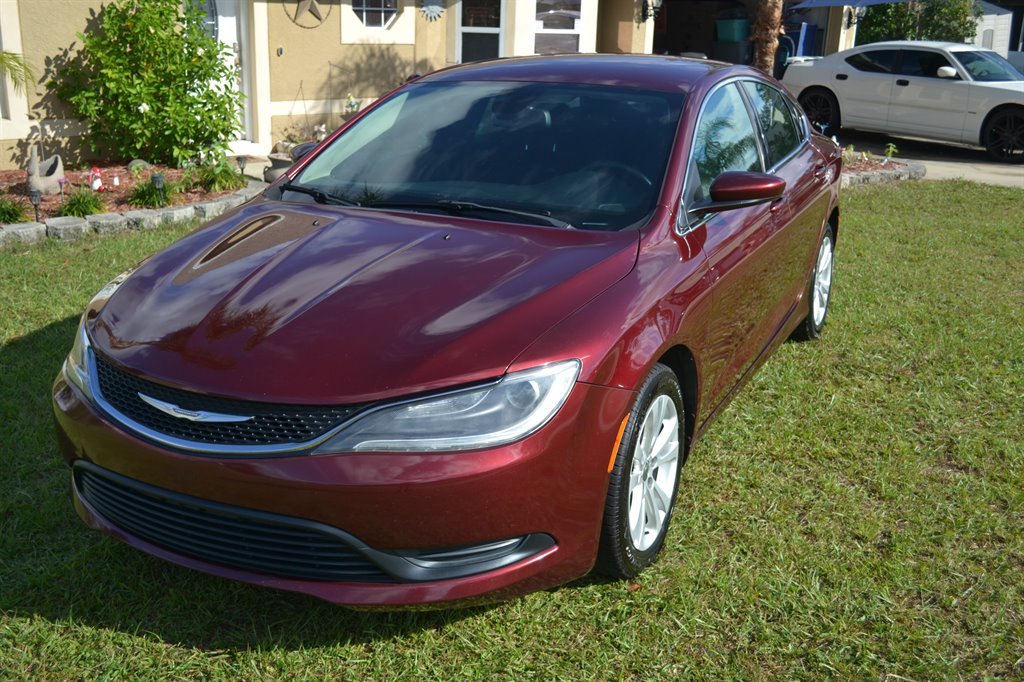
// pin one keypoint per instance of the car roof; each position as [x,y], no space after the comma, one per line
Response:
[652,72]
[935,44]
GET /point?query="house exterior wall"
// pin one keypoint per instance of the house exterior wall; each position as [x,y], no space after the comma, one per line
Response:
[45,39]
[302,69]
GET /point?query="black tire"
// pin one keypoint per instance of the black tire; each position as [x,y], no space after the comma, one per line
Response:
[620,555]
[822,109]
[1004,136]
[811,326]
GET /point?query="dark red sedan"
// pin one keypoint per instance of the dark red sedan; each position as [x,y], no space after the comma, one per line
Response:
[463,347]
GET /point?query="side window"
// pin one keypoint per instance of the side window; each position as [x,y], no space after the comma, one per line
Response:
[725,140]
[774,116]
[922,63]
[375,13]
[874,61]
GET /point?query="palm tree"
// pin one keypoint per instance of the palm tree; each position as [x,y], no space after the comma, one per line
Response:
[767,28]
[14,66]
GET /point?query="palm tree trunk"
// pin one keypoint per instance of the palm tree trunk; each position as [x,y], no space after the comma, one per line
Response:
[767,29]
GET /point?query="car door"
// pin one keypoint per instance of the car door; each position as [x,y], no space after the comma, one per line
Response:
[745,285]
[797,219]
[924,104]
[863,84]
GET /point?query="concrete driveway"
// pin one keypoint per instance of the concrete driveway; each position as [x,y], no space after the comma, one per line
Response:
[943,161]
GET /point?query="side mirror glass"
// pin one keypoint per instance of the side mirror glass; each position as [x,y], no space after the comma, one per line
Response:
[946,72]
[739,189]
[300,150]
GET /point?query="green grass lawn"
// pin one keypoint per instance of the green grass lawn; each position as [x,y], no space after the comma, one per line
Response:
[857,512]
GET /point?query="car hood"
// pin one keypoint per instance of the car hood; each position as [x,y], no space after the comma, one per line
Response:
[1011,89]
[285,303]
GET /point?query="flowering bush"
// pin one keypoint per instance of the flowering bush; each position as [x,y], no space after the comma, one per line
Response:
[151,83]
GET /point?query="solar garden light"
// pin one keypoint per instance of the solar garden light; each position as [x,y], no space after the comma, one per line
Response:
[158,185]
[241,161]
[35,196]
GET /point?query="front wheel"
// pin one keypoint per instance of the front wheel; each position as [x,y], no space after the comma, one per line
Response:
[1004,136]
[819,291]
[644,478]
[822,110]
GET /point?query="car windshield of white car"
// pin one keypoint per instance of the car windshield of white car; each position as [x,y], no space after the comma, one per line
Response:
[988,67]
[587,156]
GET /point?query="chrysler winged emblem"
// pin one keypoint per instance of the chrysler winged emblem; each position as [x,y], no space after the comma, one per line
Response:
[192,415]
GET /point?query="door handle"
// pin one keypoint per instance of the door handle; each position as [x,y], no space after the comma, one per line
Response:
[777,204]
[902,81]
[841,76]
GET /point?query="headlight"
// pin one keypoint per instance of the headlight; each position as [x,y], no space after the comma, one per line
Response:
[76,367]
[514,407]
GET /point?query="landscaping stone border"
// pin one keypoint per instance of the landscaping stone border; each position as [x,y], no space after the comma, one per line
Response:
[893,172]
[70,228]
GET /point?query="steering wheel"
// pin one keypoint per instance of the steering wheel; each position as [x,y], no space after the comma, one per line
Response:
[620,169]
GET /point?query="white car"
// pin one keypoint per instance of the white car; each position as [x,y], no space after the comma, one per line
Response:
[940,91]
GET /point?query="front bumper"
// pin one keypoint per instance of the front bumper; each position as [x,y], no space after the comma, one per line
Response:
[425,527]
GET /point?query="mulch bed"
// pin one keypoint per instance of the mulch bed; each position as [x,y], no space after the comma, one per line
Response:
[115,197]
[861,166]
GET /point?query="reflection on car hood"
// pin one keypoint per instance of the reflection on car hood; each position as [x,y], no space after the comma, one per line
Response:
[281,302]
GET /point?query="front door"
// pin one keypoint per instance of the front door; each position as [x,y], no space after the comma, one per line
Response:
[479,33]
[228,22]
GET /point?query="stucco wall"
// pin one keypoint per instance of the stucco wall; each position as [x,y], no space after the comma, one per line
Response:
[312,72]
[45,34]
[313,64]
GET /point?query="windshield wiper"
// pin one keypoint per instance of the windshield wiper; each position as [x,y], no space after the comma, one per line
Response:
[454,207]
[318,195]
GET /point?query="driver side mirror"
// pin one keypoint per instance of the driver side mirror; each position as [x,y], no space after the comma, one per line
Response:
[947,72]
[740,189]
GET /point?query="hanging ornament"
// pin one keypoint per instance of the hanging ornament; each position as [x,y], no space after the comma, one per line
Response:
[432,9]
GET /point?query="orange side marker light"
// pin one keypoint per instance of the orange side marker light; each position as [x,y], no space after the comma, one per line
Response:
[618,439]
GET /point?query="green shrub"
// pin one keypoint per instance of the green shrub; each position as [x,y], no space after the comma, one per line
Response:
[80,203]
[151,83]
[144,194]
[11,210]
[217,176]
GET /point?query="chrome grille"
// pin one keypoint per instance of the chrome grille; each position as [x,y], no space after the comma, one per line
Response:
[221,534]
[271,423]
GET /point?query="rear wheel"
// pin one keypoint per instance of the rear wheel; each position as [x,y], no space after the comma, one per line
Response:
[819,291]
[644,479]
[822,109]
[1004,136]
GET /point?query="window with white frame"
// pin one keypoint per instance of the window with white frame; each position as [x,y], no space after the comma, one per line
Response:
[557,27]
[375,13]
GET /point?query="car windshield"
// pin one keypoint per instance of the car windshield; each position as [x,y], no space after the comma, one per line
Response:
[988,66]
[565,155]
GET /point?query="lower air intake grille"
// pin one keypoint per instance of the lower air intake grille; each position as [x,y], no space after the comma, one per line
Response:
[221,534]
[271,423]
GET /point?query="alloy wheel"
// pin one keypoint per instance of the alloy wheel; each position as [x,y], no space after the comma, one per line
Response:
[822,281]
[652,475]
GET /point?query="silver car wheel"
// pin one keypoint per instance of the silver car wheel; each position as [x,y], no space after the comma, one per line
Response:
[822,281]
[652,475]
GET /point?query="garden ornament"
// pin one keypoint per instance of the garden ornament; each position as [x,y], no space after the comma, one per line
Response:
[96,179]
[45,176]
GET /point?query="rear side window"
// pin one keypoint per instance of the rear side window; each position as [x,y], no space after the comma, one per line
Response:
[922,63]
[874,61]
[775,117]
[725,141]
